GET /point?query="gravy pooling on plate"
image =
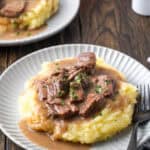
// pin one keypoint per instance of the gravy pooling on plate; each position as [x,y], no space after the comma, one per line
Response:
[23,18]
[78,100]
[43,139]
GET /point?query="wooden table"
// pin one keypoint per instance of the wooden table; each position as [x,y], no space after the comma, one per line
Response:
[109,23]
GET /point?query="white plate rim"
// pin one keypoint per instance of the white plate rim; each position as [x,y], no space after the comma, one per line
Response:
[51,48]
[39,37]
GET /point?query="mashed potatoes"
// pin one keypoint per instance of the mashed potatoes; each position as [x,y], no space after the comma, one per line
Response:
[116,116]
[35,15]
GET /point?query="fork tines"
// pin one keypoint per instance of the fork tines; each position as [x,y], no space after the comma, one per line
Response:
[144,101]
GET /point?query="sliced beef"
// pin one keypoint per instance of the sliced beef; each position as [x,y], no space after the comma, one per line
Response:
[91,104]
[12,8]
[57,89]
[59,85]
[58,101]
[87,60]
[62,111]
[42,90]
[104,84]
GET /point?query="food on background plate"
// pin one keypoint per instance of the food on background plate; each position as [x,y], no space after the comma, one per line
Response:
[80,100]
[21,18]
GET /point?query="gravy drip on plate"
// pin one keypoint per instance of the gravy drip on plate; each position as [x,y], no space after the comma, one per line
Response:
[42,139]
[19,34]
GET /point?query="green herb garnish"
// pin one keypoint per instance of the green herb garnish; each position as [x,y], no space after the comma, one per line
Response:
[107,82]
[80,77]
[73,94]
[15,24]
[62,102]
[98,89]
[60,93]
[100,113]
[17,33]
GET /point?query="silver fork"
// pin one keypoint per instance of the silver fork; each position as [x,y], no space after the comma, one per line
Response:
[141,114]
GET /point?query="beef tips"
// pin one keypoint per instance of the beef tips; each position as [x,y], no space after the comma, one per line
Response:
[87,60]
[57,88]
[91,104]
[12,8]
[54,87]
[62,111]
[75,91]
[59,85]
[42,90]
[104,84]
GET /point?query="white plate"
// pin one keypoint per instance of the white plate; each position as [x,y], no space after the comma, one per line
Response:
[13,79]
[67,11]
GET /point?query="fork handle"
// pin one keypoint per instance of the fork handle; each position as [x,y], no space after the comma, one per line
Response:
[133,139]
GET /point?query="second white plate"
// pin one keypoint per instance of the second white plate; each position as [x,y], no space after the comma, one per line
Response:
[67,11]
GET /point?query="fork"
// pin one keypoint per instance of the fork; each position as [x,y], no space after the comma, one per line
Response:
[141,114]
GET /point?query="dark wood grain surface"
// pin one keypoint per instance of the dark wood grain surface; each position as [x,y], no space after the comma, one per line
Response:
[109,23]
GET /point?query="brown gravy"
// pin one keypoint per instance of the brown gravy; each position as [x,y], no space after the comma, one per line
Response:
[20,34]
[44,140]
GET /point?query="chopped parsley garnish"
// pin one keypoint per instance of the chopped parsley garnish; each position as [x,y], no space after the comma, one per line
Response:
[17,33]
[75,97]
[15,25]
[73,94]
[62,102]
[60,93]
[100,113]
[80,77]
[98,89]
[107,82]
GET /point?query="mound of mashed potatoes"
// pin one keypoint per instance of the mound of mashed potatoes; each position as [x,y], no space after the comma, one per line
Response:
[31,14]
[114,117]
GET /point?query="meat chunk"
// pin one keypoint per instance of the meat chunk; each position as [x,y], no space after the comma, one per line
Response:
[87,60]
[104,84]
[12,8]
[58,101]
[42,90]
[92,103]
[62,111]
[59,85]
[57,89]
